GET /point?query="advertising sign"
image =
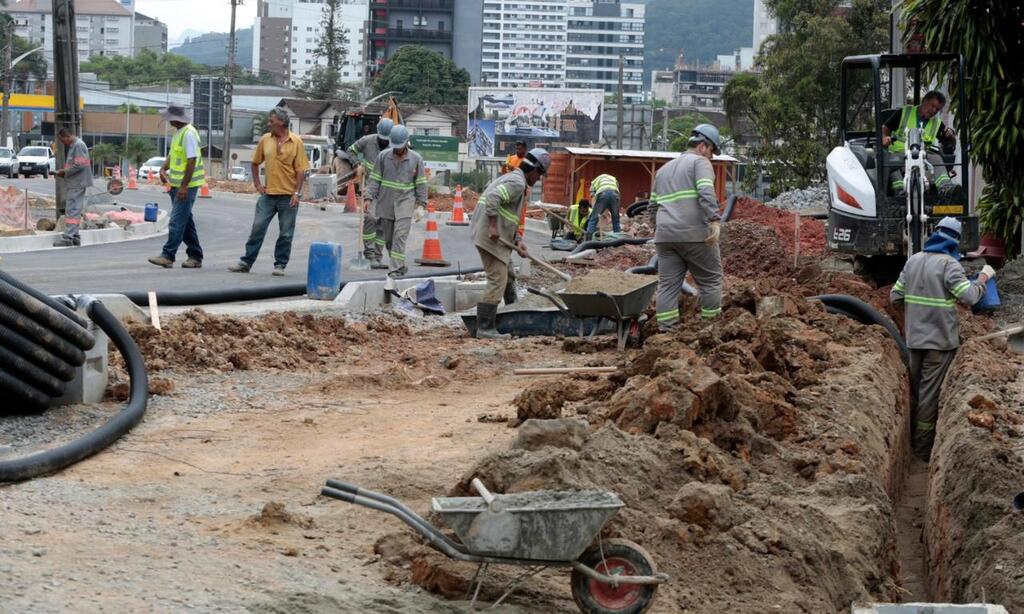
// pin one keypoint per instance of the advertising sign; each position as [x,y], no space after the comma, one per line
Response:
[498,117]
[440,153]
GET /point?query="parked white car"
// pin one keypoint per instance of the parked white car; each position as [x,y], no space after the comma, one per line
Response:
[237,174]
[36,160]
[154,165]
[8,162]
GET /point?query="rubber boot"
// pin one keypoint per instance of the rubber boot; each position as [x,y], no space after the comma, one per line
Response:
[486,314]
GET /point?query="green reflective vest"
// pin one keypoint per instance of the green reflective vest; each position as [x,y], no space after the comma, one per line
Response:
[179,160]
[579,225]
[908,119]
[602,183]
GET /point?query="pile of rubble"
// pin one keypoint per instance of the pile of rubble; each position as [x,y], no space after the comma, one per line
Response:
[814,197]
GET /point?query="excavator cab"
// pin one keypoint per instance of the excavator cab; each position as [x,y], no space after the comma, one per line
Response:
[867,217]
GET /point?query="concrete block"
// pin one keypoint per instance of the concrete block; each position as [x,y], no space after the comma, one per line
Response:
[323,186]
[468,294]
[367,296]
[90,381]
[929,608]
[123,308]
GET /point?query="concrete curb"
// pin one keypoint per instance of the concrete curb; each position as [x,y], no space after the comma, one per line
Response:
[929,608]
[99,236]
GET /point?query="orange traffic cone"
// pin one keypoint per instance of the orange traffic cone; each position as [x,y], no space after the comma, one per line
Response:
[350,198]
[458,219]
[432,244]
[204,192]
[132,184]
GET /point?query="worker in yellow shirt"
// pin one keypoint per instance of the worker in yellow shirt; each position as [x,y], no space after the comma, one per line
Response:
[515,158]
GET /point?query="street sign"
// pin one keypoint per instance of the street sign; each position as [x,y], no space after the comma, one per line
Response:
[440,153]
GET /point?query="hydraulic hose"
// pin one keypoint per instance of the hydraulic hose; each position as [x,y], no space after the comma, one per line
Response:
[48,461]
[864,313]
[231,295]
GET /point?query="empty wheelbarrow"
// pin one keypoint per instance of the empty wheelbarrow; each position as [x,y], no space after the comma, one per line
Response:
[535,530]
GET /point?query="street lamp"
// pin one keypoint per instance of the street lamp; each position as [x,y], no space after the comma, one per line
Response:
[8,72]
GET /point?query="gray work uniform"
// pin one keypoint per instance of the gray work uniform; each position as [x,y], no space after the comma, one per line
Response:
[928,288]
[394,188]
[503,200]
[77,177]
[366,150]
[684,205]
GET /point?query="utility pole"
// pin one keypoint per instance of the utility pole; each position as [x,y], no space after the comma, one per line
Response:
[622,87]
[209,123]
[228,89]
[8,69]
[65,70]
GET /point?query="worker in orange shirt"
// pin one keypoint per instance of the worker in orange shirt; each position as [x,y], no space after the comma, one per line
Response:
[515,158]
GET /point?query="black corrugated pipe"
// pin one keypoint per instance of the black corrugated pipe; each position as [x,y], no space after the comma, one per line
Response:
[231,295]
[613,243]
[864,313]
[58,458]
[651,268]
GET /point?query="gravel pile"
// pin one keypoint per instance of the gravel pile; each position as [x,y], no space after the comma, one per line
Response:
[814,197]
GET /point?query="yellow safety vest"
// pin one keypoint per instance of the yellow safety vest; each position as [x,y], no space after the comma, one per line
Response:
[578,225]
[602,183]
[179,160]
[908,119]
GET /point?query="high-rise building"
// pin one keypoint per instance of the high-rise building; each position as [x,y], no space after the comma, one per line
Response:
[286,33]
[394,23]
[765,24]
[563,43]
[150,34]
[102,27]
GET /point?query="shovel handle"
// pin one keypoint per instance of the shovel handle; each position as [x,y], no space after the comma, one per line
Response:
[479,487]
[538,261]
[1013,330]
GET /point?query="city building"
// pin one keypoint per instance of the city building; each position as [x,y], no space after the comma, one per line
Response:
[102,27]
[765,24]
[394,23]
[739,60]
[563,43]
[698,86]
[285,36]
[150,34]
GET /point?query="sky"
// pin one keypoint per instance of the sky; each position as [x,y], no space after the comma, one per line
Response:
[200,15]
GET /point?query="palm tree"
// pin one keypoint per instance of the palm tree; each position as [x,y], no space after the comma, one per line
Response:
[103,154]
[137,150]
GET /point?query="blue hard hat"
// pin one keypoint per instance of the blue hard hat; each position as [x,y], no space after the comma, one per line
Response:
[384,127]
[399,136]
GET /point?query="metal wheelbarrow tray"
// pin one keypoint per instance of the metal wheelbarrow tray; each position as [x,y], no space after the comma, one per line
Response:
[536,530]
[625,309]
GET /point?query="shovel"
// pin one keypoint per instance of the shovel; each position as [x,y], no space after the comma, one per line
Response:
[359,262]
[538,261]
[496,530]
[1015,337]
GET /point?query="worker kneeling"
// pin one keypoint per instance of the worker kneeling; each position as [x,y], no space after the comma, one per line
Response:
[685,213]
[931,283]
[495,228]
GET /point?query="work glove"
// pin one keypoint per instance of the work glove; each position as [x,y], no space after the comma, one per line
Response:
[716,230]
[988,271]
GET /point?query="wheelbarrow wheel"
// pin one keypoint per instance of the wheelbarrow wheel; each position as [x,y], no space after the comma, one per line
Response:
[621,557]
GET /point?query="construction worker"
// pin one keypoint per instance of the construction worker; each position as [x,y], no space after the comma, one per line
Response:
[515,158]
[931,283]
[579,214]
[77,175]
[183,170]
[396,185]
[365,151]
[604,189]
[685,212]
[497,217]
[926,117]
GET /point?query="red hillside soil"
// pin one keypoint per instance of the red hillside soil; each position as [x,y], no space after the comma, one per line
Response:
[812,232]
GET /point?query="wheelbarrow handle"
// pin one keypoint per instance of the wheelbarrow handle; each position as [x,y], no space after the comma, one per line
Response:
[611,300]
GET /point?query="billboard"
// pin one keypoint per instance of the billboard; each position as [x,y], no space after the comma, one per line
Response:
[440,153]
[498,117]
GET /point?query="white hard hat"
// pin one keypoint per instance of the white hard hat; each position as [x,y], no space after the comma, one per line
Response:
[950,224]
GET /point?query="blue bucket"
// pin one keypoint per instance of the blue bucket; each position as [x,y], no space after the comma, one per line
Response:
[323,276]
[152,209]
[990,300]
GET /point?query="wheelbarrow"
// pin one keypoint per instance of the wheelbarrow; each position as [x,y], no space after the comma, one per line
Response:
[624,309]
[535,530]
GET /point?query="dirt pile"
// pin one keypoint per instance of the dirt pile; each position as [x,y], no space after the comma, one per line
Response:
[607,280]
[197,340]
[750,249]
[753,454]
[446,202]
[616,258]
[975,539]
[811,231]
[275,515]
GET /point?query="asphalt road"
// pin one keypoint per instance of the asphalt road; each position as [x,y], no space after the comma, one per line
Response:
[223,224]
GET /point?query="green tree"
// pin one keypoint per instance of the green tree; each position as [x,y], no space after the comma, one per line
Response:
[137,150]
[679,129]
[324,81]
[992,47]
[103,154]
[793,103]
[130,107]
[422,76]
[145,68]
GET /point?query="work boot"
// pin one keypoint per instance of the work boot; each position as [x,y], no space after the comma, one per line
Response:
[161,261]
[278,271]
[192,263]
[486,314]
[239,267]
[400,272]
[63,241]
[510,293]
[378,264]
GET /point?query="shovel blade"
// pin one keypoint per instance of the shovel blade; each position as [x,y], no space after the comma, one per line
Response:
[359,263]
[1016,342]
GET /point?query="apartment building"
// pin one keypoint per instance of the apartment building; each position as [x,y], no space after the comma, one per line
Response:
[102,27]
[150,34]
[285,36]
[563,43]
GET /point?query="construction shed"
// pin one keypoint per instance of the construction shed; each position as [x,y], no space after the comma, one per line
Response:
[634,169]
